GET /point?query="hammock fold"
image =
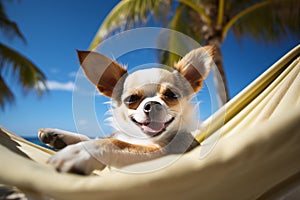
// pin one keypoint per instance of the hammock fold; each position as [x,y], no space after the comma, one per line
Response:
[253,153]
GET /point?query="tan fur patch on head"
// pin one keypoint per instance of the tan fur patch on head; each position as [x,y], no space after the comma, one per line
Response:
[133,98]
[168,95]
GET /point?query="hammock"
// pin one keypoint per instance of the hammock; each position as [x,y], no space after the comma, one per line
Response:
[257,156]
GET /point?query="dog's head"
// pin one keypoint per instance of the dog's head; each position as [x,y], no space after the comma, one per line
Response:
[150,102]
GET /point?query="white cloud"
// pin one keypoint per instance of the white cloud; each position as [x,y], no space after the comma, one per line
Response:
[55,85]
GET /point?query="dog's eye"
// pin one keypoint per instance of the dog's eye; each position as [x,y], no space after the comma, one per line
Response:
[171,95]
[132,99]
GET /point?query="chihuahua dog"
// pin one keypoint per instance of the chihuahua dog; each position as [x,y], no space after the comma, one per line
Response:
[152,113]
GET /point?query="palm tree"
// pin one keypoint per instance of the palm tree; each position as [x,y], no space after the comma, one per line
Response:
[13,63]
[208,22]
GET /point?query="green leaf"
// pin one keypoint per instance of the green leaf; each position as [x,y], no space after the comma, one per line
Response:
[129,13]
[6,95]
[270,23]
[25,72]
[182,22]
[8,27]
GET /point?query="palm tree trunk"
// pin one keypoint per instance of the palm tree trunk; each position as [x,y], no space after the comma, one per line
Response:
[220,77]
[212,35]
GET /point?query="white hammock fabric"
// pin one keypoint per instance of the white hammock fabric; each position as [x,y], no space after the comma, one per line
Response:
[258,156]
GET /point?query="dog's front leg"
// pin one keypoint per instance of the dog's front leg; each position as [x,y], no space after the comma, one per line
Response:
[59,139]
[84,157]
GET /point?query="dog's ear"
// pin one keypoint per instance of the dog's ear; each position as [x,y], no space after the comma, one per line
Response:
[195,66]
[101,71]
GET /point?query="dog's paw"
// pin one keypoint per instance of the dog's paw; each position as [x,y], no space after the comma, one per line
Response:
[58,139]
[52,138]
[79,158]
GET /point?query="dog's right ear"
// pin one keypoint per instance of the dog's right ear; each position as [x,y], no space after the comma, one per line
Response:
[101,71]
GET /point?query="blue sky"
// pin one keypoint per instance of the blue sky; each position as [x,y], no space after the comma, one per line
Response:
[54,29]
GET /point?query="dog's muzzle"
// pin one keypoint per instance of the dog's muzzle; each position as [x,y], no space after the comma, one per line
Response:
[156,119]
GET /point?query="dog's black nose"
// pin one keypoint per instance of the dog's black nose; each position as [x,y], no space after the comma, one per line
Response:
[152,106]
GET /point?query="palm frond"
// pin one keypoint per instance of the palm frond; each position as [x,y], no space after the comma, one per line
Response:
[198,7]
[288,15]
[233,7]
[27,74]
[183,23]
[168,57]
[6,95]
[129,13]
[8,27]
[220,12]
[271,22]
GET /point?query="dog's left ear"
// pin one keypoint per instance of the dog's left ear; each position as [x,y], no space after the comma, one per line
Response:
[195,66]
[103,72]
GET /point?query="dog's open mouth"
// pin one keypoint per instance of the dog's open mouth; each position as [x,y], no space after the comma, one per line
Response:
[153,128]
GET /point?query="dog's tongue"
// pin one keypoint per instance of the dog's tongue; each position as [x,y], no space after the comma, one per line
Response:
[153,127]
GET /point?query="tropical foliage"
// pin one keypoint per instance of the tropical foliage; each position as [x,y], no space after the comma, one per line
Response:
[15,65]
[208,22]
